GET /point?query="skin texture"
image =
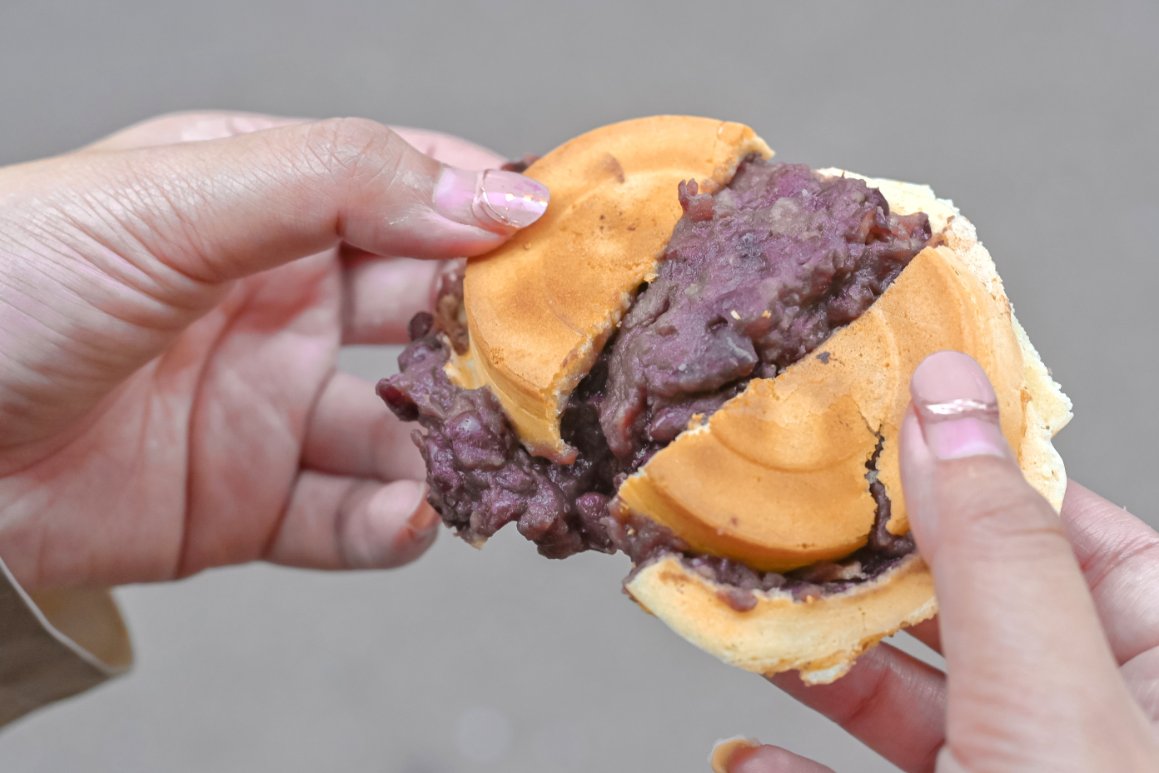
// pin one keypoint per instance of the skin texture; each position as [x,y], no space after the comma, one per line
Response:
[173,299]
[1049,626]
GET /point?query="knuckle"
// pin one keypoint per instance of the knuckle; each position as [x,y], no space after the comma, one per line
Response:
[1136,556]
[354,147]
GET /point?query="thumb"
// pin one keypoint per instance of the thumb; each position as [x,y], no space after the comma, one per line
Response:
[222,209]
[108,255]
[1025,653]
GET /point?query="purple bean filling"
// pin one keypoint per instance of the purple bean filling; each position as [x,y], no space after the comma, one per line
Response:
[753,279]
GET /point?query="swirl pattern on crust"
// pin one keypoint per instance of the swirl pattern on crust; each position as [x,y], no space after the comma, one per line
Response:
[776,478]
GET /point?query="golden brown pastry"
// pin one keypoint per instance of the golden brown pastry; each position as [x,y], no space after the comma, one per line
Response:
[764,509]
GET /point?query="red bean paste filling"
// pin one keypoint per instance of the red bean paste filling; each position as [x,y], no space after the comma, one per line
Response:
[754,278]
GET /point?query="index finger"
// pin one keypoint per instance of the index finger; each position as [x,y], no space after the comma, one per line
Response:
[1119,555]
[450,149]
[200,126]
[192,126]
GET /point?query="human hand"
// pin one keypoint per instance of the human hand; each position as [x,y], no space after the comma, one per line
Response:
[170,315]
[1049,627]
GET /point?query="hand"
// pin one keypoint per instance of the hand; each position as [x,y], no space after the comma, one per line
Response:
[1049,627]
[170,315]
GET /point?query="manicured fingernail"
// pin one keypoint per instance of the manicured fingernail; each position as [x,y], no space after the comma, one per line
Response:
[725,751]
[956,408]
[494,199]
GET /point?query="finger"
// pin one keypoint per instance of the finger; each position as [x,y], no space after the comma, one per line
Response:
[333,522]
[222,209]
[1141,674]
[216,124]
[927,633]
[150,237]
[1018,626]
[1119,556]
[381,295]
[350,433]
[450,149]
[745,757]
[890,701]
[173,128]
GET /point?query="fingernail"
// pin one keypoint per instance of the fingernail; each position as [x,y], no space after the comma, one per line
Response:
[725,752]
[493,199]
[956,408]
[424,519]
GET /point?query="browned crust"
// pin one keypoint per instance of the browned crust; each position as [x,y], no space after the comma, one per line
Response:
[776,479]
[540,308]
[822,638]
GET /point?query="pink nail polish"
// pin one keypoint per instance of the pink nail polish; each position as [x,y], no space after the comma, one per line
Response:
[511,199]
[957,408]
[494,199]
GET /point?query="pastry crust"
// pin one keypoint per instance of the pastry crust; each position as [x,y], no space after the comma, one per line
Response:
[540,308]
[822,637]
[776,478]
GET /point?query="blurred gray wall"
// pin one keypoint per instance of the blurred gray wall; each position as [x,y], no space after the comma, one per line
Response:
[1038,118]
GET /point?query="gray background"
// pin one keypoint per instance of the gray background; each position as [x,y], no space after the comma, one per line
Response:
[1039,122]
